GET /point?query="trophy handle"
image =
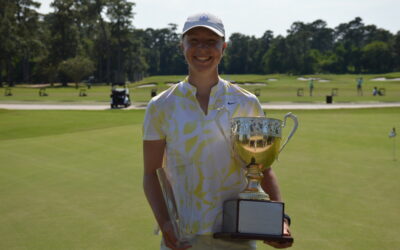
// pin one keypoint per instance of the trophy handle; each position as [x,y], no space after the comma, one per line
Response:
[296,124]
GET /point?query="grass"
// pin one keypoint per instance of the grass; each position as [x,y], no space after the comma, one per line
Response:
[277,88]
[73,180]
[66,95]
[339,180]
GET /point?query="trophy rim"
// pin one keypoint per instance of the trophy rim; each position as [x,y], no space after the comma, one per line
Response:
[255,117]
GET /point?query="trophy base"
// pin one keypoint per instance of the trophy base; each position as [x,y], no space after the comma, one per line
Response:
[253,219]
[247,236]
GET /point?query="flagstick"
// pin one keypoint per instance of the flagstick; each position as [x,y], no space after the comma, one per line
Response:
[394,148]
[393,135]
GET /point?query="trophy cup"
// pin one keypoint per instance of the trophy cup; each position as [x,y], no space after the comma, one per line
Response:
[257,142]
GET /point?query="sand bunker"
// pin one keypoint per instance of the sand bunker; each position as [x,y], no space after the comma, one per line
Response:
[384,79]
[147,85]
[312,78]
[307,79]
[254,84]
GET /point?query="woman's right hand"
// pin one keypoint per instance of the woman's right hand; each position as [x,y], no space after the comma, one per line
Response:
[170,239]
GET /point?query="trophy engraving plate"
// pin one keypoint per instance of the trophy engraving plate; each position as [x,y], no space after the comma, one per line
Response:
[253,217]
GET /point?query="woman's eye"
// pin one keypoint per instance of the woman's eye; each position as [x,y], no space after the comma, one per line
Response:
[212,43]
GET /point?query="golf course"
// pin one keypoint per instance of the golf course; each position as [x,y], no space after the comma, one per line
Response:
[72,179]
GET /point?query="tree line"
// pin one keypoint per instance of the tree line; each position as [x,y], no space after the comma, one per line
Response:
[97,37]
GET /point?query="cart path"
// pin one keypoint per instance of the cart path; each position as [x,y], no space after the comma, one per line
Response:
[270,106]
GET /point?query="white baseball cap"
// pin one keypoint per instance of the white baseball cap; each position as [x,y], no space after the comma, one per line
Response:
[205,20]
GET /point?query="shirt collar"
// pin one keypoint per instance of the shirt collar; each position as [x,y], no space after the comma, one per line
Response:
[214,90]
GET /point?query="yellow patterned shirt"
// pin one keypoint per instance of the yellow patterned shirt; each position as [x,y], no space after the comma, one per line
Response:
[199,163]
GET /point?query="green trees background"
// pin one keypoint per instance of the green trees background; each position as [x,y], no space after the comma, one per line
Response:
[34,47]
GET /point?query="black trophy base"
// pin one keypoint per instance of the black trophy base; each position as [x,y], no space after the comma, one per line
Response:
[247,236]
[253,220]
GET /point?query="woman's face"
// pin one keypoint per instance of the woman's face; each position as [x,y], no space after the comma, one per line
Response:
[203,50]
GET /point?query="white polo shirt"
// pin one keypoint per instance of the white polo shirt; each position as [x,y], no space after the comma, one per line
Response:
[199,161]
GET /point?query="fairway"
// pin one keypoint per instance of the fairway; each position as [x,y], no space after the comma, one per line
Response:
[271,88]
[73,180]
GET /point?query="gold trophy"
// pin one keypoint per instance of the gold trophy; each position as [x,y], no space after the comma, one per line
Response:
[257,142]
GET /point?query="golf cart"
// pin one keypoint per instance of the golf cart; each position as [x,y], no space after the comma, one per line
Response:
[120,96]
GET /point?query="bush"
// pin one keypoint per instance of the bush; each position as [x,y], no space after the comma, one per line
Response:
[76,68]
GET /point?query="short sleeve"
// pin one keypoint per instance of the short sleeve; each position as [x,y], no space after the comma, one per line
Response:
[255,108]
[258,109]
[152,125]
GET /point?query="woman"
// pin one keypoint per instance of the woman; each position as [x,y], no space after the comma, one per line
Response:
[182,128]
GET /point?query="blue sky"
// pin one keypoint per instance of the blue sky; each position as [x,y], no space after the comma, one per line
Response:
[254,17]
